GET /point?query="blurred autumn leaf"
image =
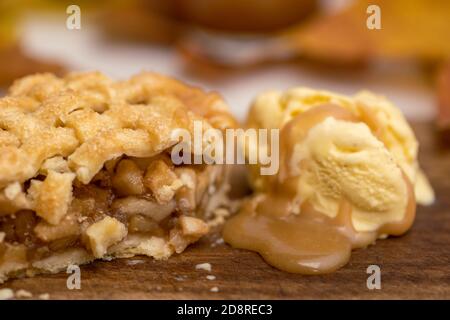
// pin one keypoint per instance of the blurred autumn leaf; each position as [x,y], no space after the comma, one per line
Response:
[8,19]
[410,29]
[14,63]
[443,94]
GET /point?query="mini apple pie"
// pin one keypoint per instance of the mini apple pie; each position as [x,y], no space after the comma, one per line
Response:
[86,170]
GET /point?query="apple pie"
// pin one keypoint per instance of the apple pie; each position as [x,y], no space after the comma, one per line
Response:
[86,170]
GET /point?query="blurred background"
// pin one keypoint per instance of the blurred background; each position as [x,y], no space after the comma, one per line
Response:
[243,47]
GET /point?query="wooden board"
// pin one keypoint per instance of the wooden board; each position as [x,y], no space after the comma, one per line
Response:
[416,265]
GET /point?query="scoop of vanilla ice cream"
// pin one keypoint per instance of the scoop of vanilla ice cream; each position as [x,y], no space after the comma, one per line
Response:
[343,159]
[383,122]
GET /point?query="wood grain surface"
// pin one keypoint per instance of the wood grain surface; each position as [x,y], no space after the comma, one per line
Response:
[416,265]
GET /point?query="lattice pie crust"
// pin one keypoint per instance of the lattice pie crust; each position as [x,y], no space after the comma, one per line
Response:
[85,170]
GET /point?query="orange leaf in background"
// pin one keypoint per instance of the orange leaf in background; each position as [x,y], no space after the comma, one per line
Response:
[410,29]
[443,92]
[15,64]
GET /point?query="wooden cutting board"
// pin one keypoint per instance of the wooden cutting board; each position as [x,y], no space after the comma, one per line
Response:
[416,265]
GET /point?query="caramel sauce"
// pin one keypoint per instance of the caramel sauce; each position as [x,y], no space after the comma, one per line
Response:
[293,236]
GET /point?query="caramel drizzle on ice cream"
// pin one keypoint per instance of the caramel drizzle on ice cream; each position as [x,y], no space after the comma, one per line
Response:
[290,233]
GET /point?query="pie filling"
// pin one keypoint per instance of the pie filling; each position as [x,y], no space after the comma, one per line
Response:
[147,197]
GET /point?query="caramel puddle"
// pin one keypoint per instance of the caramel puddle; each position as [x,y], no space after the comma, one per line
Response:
[307,243]
[296,238]
[293,243]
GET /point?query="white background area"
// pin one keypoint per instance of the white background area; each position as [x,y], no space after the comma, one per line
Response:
[87,49]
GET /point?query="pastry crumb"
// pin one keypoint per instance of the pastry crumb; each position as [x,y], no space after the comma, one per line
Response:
[44,296]
[6,294]
[82,219]
[134,262]
[214,289]
[20,294]
[181,278]
[219,241]
[220,214]
[211,277]
[203,266]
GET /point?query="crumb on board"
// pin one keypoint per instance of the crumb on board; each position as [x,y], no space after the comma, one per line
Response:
[203,266]
[181,277]
[44,296]
[21,294]
[219,241]
[82,219]
[214,289]
[134,262]
[211,277]
[6,294]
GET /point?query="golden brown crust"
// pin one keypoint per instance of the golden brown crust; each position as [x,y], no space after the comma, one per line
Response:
[89,119]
